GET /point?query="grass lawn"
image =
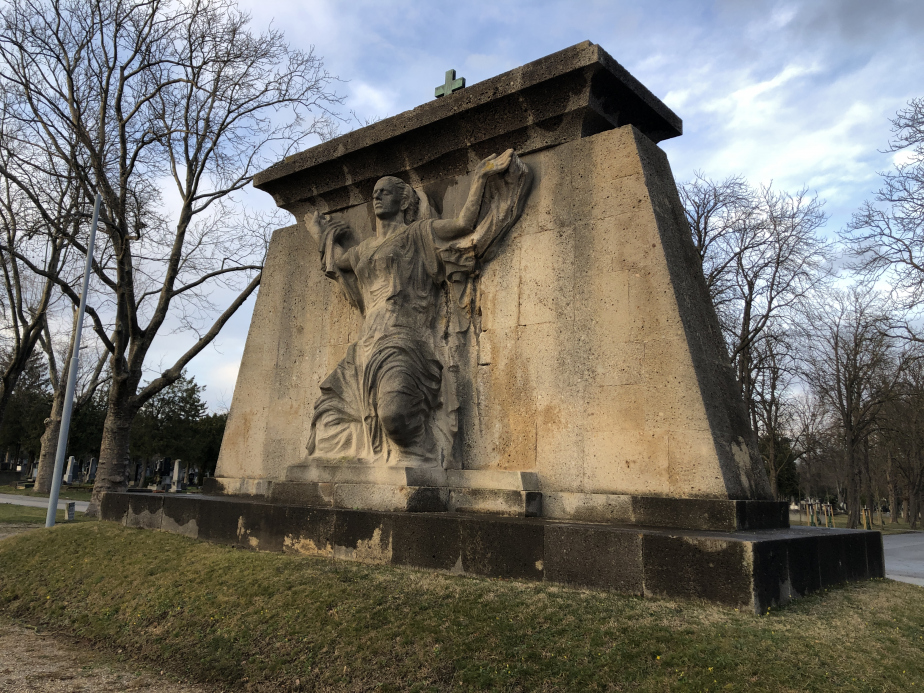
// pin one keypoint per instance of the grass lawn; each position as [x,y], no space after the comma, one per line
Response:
[261,621]
[81,493]
[22,514]
[840,521]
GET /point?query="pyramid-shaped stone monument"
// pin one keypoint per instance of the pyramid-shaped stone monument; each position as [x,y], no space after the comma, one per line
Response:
[487,346]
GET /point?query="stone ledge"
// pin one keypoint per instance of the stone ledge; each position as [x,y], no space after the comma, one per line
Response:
[493,479]
[746,569]
[499,492]
[366,474]
[686,513]
[400,498]
[411,476]
[234,486]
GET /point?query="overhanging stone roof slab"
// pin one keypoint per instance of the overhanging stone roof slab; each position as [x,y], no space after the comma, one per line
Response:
[574,93]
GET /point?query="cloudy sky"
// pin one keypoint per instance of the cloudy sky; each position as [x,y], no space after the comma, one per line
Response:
[795,92]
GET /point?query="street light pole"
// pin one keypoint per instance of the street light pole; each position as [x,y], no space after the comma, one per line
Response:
[72,377]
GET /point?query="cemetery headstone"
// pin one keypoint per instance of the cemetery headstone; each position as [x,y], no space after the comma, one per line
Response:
[69,474]
[176,484]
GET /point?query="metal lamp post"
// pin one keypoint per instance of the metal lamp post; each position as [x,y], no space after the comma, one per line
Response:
[72,377]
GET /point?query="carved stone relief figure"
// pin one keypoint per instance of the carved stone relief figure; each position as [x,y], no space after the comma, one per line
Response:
[392,399]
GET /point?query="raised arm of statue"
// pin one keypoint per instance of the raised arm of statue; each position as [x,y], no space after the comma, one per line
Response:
[450,229]
[334,239]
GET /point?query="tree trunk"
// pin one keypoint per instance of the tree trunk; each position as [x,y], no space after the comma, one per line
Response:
[49,450]
[854,481]
[871,500]
[46,465]
[114,451]
[6,392]
[893,493]
[774,470]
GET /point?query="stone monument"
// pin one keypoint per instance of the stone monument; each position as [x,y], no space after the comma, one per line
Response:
[486,345]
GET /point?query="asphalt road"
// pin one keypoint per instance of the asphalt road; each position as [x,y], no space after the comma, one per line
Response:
[36,502]
[904,557]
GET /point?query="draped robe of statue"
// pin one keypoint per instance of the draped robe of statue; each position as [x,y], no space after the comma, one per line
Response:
[415,294]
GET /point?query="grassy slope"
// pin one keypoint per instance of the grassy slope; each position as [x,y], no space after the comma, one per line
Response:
[225,615]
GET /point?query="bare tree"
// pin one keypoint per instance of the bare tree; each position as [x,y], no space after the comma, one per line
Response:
[886,235]
[901,434]
[27,242]
[761,256]
[782,430]
[148,90]
[853,366]
[714,210]
[88,381]
[819,455]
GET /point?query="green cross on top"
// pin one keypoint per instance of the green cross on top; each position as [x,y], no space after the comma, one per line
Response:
[452,84]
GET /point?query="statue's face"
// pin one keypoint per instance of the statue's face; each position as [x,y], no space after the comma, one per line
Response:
[387,199]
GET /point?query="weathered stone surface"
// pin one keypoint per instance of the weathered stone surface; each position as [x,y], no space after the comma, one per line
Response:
[744,569]
[496,502]
[308,532]
[426,541]
[594,557]
[114,507]
[179,518]
[595,359]
[145,511]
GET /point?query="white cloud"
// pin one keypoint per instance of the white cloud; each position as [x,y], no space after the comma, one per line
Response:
[781,16]
[366,98]
[903,156]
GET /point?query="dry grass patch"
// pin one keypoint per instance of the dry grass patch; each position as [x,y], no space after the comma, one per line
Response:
[26,515]
[263,621]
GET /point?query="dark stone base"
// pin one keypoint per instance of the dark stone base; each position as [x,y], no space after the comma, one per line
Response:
[751,569]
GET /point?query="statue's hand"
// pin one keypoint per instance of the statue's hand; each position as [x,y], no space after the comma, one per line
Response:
[316,223]
[494,164]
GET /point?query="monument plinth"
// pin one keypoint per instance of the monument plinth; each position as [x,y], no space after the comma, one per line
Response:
[490,308]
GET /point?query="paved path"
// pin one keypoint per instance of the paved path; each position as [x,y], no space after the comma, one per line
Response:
[39,502]
[904,557]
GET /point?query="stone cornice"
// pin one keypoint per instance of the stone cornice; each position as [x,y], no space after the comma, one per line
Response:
[577,92]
